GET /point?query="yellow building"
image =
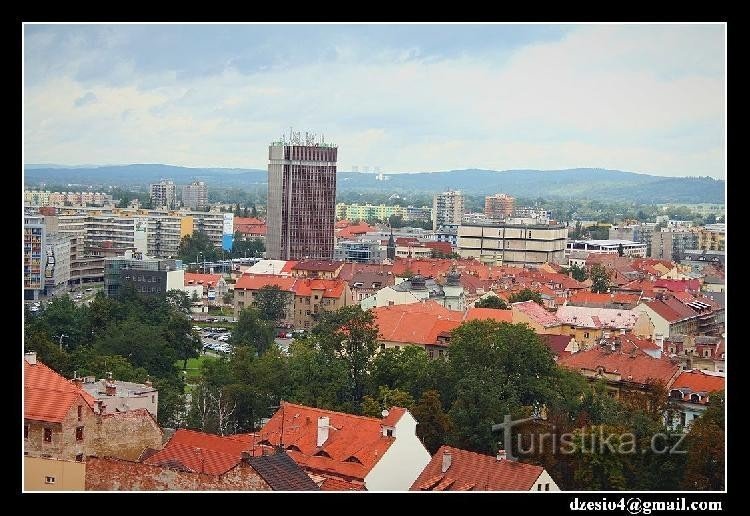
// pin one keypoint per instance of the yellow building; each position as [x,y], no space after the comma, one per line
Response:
[41,474]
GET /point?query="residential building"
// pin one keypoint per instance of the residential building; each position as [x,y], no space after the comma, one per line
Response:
[323,269]
[447,233]
[538,319]
[454,469]
[113,396]
[499,206]
[370,453]
[195,196]
[57,264]
[672,244]
[214,285]
[447,208]
[250,228]
[163,233]
[690,395]
[46,198]
[704,352]
[625,363]
[149,276]
[427,325]
[360,251]
[163,195]
[416,289]
[365,283]
[34,246]
[48,474]
[382,212]
[416,250]
[306,297]
[641,233]
[711,237]
[512,244]
[617,300]
[63,421]
[683,314]
[629,248]
[301,200]
[272,267]
[588,325]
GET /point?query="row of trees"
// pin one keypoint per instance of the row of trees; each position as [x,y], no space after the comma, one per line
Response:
[191,246]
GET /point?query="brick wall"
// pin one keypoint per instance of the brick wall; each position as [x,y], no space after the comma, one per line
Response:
[106,474]
[64,444]
[126,434]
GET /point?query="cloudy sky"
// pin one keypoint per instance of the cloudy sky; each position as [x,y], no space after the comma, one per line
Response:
[405,98]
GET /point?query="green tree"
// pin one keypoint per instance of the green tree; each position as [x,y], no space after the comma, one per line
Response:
[525,295]
[578,273]
[497,369]
[492,302]
[434,424]
[253,211]
[620,250]
[316,379]
[349,334]
[271,303]
[244,212]
[705,448]
[599,278]
[227,298]
[710,219]
[197,243]
[180,336]
[251,330]
[386,398]
[179,300]
[409,369]
[243,247]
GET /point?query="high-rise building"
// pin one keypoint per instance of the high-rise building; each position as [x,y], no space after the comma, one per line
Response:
[163,194]
[498,206]
[33,255]
[195,195]
[447,208]
[514,242]
[301,199]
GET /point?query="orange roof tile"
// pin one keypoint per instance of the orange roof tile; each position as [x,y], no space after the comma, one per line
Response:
[415,323]
[698,381]
[330,288]
[354,445]
[48,396]
[353,230]
[494,314]
[631,363]
[536,313]
[335,484]
[471,471]
[201,452]
[201,279]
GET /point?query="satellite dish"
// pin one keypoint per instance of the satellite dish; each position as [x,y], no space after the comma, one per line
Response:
[385,413]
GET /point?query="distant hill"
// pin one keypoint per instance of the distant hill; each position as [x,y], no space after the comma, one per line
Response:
[589,183]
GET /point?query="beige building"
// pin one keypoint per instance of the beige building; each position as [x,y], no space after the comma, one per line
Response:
[513,244]
[447,208]
[47,474]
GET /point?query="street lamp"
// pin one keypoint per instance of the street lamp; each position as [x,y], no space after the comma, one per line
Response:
[61,338]
[197,258]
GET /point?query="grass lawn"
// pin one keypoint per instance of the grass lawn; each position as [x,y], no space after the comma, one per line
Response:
[194,367]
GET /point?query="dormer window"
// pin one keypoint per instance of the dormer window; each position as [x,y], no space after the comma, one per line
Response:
[322,453]
[695,398]
[292,447]
[353,459]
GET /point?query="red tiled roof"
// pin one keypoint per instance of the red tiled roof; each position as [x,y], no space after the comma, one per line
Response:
[671,310]
[440,247]
[317,265]
[201,279]
[251,221]
[678,285]
[471,471]
[354,445]
[354,230]
[556,343]
[350,269]
[536,313]
[200,452]
[494,314]
[258,281]
[331,288]
[48,396]
[698,381]
[335,484]
[288,267]
[631,363]
[415,323]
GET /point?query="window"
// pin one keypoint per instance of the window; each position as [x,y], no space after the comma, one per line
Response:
[546,487]
[389,432]
[47,435]
[79,457]
[49,480]
[80,412]
[79,433]
[25,431]
[586,335]
[539,487]
[153,398]
[316,296]
[382,346]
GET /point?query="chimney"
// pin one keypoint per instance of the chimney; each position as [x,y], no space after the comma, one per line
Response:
[447,460]
[622,331]
[78,382]
[148,382]
[323,426]
[30,357]
[110,388]
[659,339]
[502,455]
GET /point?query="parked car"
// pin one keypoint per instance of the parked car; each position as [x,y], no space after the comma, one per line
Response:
[289,335]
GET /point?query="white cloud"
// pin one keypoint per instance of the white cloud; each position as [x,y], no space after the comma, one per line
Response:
[639,98]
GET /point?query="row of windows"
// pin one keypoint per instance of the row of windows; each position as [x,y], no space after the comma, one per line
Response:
[48,433]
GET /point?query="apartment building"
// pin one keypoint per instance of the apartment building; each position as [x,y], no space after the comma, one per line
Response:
[195,195]
[512,244]
[447,208]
